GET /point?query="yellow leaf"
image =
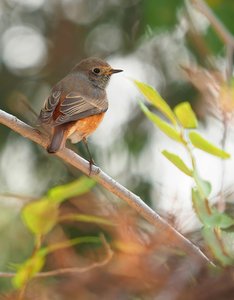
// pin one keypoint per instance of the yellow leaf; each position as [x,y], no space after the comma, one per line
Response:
[162,125]
[186,115]
[178,162]
[40,216]
[199,142]
[28,269]
[153,97]
[75,188]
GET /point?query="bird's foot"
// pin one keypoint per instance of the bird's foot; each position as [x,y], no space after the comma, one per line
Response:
[91,163]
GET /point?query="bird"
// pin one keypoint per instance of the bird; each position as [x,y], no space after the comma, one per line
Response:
[77,104]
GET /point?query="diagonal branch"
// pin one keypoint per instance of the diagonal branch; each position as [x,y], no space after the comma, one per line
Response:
[172,236]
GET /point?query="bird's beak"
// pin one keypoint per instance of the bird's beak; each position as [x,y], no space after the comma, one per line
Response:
[113,71]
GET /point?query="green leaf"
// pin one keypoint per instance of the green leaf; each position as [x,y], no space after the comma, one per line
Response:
[209,217]
[28,269]
[162,125]
[153,97]
[76,188]
[201,206]
[214,240]
[40,216]
[178,162]
[220,220]
[186,115]
[213,221]
[203,186]
[199,142]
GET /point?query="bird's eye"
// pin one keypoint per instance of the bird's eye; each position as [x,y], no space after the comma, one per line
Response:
[96,70]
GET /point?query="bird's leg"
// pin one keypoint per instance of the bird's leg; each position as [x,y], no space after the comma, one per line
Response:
[91,161]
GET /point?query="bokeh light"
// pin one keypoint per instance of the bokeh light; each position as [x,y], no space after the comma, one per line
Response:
[83,12]
[24,49]
[104,39]
[30,5]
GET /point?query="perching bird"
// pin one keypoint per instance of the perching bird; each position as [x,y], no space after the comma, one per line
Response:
[77,103]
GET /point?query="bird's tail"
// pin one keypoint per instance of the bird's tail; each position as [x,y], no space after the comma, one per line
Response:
[57,139]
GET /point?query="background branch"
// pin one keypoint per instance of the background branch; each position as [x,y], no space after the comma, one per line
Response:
[172,237]
[218,26]
[71,270]
[224,34]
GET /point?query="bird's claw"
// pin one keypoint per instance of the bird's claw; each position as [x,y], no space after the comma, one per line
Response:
[91,163]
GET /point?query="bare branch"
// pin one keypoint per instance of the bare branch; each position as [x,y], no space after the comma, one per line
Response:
[172,237]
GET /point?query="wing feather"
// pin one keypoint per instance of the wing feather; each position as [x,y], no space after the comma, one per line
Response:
[46,114]
[59,108]
[75,107]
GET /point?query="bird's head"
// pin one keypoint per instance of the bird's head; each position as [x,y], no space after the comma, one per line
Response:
[96,70]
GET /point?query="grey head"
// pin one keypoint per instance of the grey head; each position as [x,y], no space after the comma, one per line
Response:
[96,70]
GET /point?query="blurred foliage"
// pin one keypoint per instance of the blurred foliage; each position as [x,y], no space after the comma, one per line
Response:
[224,11]
[41,216]
[161,14]
[183,118]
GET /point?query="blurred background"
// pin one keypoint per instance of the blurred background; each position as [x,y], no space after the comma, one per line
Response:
[153,41]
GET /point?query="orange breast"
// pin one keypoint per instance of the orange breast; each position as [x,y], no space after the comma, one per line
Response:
[86,126]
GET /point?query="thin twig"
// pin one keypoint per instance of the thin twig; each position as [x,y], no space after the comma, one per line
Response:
[173,237]
[71,270]
[108,257]
[229,63]
[196,38]
[22,293]
[23,198]
[228,39]
[221,201]
[218,26]
[7,274]
[224,34]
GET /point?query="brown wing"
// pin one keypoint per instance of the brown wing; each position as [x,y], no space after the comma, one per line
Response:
[72,108]
[46,114]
